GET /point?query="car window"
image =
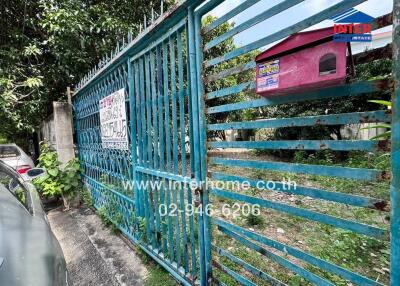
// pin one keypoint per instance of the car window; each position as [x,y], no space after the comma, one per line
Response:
[18,189]
[9,151]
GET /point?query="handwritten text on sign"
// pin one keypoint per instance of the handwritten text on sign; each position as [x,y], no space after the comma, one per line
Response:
[114,132]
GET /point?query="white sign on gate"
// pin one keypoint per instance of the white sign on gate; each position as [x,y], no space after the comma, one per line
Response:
[113,124]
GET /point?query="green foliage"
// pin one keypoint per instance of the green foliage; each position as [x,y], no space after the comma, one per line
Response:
[110,213]
[351,251]
[3,140]
[355,159]
[46,46]
[322,157]
[58,180]
[157,275]
[373,70]
[86,197]
[385,135]
[20,193]
[245,76]
[255,220]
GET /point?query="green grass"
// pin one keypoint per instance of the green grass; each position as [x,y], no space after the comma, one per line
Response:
[157,275]
[366,256]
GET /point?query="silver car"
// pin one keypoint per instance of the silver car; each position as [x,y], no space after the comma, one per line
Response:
[29,252]
[16,158]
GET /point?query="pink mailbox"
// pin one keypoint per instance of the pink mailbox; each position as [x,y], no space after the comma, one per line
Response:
[304,60]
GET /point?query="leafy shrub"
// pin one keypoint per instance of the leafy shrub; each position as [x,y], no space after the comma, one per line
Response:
[255,220]
[58,181]
[87,197]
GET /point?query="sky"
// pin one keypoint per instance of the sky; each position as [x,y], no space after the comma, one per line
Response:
[293,15]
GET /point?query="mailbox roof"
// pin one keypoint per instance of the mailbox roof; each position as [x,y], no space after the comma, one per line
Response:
[297,42]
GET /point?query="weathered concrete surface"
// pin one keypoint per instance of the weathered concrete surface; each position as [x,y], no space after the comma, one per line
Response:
[57,130]
[93,254]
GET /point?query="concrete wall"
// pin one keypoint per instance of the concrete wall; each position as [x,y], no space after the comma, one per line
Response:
[356,131]
[57,129]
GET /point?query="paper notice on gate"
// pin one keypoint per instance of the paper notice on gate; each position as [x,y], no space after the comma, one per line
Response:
[113,124]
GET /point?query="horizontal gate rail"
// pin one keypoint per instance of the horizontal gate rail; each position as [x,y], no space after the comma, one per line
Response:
[323,218]
[350,90]
[253,21]
[334,119]
[342,145]
[298,254]
[342,172]
[332,11]
[349,199]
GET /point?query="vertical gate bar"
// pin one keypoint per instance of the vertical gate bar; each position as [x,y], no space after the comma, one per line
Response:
[151,151]
[155,142]
[144,150]
[395,183]
[139,140]
[191,154]
[153,75]
[166,107]
[181,102]
[183,149]
[149,190]
[161,138]
[132,117]
[174,108]
[195,110]
[174,144]
[148,112]
[203,147]
[168,148]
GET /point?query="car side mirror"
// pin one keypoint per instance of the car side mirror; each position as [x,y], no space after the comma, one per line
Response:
[35,173]
[13,184]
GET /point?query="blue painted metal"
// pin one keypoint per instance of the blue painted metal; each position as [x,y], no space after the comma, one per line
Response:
[304,213]
[348,275]
[395,183]
[249,267]
[155,82]
[334,119]
[284,5]
[229,15]
[242,280]
[317,280]
[341,172]
[343,198]
[315,19]
[337,145]
[355,89]
[163,72]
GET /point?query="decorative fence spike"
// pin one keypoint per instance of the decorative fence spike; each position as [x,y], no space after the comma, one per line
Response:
[129,35]
[162,7]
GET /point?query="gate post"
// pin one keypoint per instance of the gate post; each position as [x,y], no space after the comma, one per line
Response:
[395,183]
[196,115]
[203,147]
[132,135]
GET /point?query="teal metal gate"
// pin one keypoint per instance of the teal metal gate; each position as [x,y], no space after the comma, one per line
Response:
[156,190]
